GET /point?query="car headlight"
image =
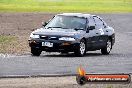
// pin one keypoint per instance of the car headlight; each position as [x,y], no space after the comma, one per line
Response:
[34,36]
[67,38]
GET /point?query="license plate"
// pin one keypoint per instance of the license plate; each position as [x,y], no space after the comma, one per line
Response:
[48,44]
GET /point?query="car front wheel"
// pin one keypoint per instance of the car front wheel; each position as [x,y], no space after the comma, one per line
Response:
[81,49]
[35,52]
[106,50]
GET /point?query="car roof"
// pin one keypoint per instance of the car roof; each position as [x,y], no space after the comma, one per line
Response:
[77,14]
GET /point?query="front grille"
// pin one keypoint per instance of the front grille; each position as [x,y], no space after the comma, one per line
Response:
[44,37]
[53,38]
[49,38]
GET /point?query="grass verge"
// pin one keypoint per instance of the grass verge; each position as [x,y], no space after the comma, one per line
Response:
[12,45]
[66,6]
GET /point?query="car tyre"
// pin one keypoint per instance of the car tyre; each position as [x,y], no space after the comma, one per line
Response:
[35,52]
[106,50]
[81,49]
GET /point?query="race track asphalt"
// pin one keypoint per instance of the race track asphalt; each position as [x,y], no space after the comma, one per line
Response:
[119,61]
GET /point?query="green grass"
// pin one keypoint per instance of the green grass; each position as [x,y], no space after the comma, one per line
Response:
[13,44]
[5,42]
[6,39]
[66,6]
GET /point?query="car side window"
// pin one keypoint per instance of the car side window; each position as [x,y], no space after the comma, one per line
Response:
[99,23]
[91,22]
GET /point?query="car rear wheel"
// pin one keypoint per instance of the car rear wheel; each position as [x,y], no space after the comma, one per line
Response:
[35,52]
[106,50]
[81,49]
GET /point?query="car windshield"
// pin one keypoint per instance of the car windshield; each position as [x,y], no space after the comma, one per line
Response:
[67,22]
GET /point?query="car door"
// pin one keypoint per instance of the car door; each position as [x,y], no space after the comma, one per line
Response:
[93,37]
[100,34]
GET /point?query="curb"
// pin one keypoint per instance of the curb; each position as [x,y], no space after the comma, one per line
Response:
[42,75]
[33,76]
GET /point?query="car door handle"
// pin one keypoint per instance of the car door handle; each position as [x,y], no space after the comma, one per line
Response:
[107,31]
[97,33]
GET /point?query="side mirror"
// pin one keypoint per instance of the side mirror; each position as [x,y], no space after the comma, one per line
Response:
[91,27]
[44,23]
[87,31]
